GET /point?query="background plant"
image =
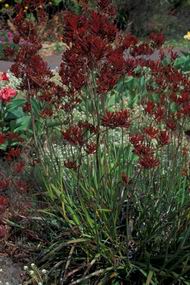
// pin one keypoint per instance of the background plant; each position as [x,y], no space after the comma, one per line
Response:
[113,153]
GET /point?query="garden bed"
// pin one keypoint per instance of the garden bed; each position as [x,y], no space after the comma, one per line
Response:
[95,160]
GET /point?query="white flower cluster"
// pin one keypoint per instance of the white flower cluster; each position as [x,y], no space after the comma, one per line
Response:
[14,82]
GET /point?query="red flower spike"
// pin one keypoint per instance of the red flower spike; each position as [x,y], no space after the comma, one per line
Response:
[4,184]
[46,113]
[164,138]
[103,3]
[149,162]
[3,203]
[91,148]
[129,41]
[2,138]
[21,186]
[116,59]
[149,107]
[136,139]
[159,114]
[74,135]
[142,49]
[118,119]
[13,153]
[151,132]
[171,124]
[70,164]
[157,38]
[19,167]
[142,150]
[186,110]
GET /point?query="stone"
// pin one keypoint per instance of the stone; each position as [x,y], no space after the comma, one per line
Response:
[10,273]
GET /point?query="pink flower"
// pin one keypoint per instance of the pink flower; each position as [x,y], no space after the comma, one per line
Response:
[4,76]
[7,93]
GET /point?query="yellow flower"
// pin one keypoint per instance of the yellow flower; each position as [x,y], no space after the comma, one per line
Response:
[6,5]
[187,36]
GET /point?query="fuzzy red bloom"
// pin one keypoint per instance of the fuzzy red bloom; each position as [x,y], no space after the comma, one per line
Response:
[9,52]
[142,49]
[14,137]
[86,126]
[77,134]
[149,162]
[142,150]
[46,113]
[118,119]
[149,107]
[136,139]
[107,79]
[184,97]
[3,203]
[13,153]
[91,148]
[2,138]
[27,107]
[38,66]
[186,110]
[103,3]
[116,59]
[159,113]
[157,38]
[171,124]
[151,132]
[164,137]
[130,41]
[21,186]
[74,135]
[4,184]
[98,47]
[19,167]
[70,164]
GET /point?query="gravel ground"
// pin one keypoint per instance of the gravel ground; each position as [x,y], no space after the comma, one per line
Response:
[53,62]
[10,273]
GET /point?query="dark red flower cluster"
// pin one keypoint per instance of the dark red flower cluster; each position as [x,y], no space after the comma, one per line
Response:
[2,138]
[118,119]
[78,135]
[4,202]
[130,41]
[21,185]
[145,153]
[151,132]
[70,164]
[28,63]
[157,39]
[19,167]
[142,49]
[4,183]
[148,162]
[164,137]
[13,153]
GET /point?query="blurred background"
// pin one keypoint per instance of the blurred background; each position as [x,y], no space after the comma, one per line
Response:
[140,17]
